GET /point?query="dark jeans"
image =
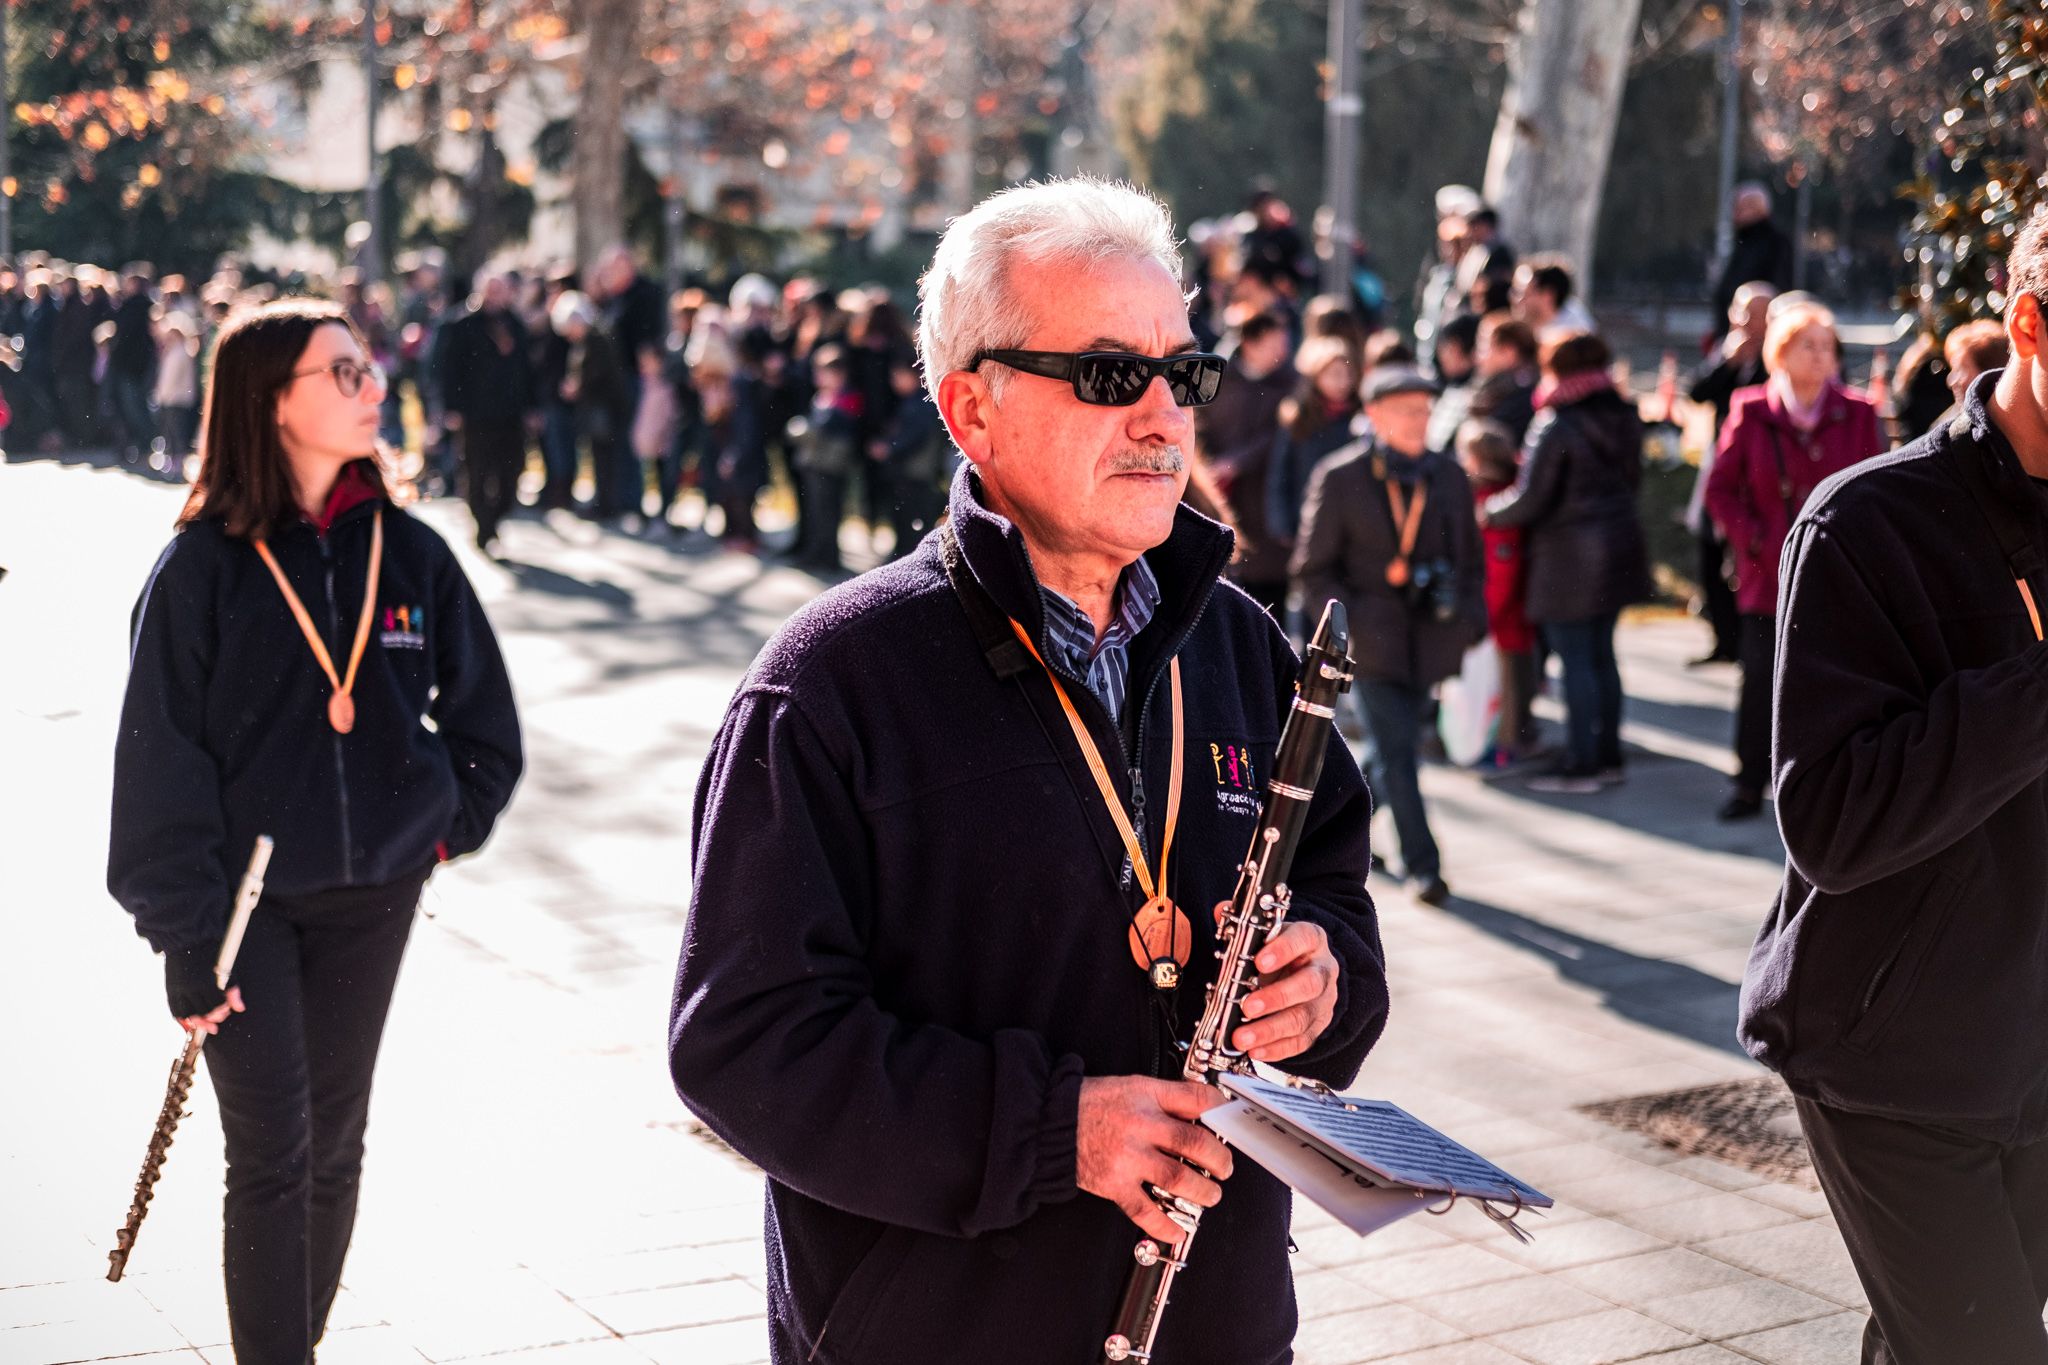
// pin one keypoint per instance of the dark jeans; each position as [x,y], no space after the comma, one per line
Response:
[1717,599]
[1392,713]
[824,508]
[1759,655]
[914,507]
[131,397]
[558,454]
[1949,1236]
[1592,691]
[293,1078]
[493,454]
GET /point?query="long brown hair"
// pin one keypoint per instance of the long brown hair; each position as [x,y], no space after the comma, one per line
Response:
[245,477]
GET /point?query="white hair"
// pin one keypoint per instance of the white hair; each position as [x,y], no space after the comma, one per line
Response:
[965,305]
[753,291]
[569,307]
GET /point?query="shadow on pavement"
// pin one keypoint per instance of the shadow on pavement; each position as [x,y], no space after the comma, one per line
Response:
[1670,996]
[534,578]
[94,459]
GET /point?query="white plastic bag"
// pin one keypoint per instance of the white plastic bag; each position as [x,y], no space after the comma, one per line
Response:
[1468,706]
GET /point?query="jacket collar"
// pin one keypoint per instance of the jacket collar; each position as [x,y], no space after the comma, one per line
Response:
[1976,425]
[358,484]
[1833,408]
[1186,566]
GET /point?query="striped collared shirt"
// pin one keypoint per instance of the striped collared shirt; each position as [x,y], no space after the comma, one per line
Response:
[1070,635]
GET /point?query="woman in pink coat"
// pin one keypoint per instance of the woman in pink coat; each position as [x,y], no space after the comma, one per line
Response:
[1782,438]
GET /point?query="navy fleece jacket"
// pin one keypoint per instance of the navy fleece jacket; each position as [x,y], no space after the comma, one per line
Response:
[907,947]
[224,732]
[1903,971]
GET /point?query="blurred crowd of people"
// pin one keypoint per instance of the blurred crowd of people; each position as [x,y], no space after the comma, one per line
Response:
[627,394]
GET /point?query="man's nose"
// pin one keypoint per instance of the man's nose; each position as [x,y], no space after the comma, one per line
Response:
[1156,415]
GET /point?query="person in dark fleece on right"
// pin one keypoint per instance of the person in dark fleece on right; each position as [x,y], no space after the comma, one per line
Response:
[1900,985]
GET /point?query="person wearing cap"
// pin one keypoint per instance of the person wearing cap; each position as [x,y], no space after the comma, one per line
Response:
[1387,528]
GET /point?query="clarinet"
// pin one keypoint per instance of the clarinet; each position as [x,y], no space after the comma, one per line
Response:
[180,1088]
[1255,912]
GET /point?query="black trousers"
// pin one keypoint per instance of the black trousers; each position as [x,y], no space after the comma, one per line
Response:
[1949,1235]
[824,508]
[493,452]
[292,1074]
[1717,599]
[1759,656]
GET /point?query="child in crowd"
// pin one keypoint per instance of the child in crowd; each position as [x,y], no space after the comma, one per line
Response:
[1486,450]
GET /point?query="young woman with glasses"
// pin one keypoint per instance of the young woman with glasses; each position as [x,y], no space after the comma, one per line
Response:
[308,662]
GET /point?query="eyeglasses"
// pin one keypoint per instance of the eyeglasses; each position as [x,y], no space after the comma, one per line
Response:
[349,376]
[1117,379]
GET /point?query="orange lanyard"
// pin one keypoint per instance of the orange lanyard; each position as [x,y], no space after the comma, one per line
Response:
[341,707]
[1408,518]
[1160,932]
[2033,612]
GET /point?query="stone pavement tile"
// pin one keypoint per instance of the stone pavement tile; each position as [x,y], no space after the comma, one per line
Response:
[1632,1280]
[1824,1341]
[1321,1293]
[588,1277]
[1426,1273]
[1327,1243]
[1702,1355]
[725,1343]
[195,1302]
[1596,1339]
[1699,1220]
[1626,1189]
[690,1305]
[1580,1243]
[1805,1255]
[189,1356]
[1747,1305]
[1369,1334]
[1457,1353]
[1719,1174]
[1550,1168]
[1791,1198]
[1509,1304]
[81,1320]
[450,1316]
[611,1351]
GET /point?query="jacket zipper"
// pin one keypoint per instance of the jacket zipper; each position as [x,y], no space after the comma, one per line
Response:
[348,866]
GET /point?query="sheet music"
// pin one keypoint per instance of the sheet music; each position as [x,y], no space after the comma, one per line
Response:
[1384,1140]
[1355,1202]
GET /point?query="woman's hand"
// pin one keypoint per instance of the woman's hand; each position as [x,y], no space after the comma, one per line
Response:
[211,1021]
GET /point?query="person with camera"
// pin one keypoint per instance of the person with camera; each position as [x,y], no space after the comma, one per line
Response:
[1387,528]
[1582,465]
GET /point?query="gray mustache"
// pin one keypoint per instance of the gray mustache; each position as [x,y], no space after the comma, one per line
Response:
[1164,460]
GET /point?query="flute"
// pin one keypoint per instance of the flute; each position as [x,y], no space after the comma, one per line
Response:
[1255,912]
[180,1087]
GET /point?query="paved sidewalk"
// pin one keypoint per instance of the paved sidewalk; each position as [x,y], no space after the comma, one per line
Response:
[535,1193]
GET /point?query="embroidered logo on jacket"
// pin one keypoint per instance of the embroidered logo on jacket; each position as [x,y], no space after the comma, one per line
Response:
[404,628]
[1237,782]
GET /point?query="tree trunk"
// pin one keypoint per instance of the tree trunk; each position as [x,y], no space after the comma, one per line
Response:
[598,161]
[1548,164]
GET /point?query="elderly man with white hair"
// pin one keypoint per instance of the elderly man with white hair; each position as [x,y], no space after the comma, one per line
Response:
[1761,253]
[912,988]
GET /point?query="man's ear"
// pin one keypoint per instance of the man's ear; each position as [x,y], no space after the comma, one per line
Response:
[2023,324]
[967,409]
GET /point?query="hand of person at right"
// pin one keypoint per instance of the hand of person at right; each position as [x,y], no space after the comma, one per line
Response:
[213,1018]
[1130,1131]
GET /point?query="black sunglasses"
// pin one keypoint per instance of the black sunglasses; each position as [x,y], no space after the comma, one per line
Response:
[1117,379]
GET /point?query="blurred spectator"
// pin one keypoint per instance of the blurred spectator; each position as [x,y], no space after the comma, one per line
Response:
[177,388]
[1504,358]
[1488,454]
[1576,497]
[593,384]
[1737,365]
[1544,295]
[1970,350]
[826,448]
[1781,440]
[915,446]
[1760,252]
[1234,439]
[1314,422]
[487,380]
[1454,367]
[131,364]
[1387,529]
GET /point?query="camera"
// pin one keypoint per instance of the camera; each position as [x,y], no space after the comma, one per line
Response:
[1433,590]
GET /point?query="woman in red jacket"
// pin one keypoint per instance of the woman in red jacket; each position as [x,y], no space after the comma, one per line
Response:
[1782,438]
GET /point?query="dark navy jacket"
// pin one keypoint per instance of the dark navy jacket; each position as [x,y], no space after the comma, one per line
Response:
[907,947]
[1904,970]
[224,732]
